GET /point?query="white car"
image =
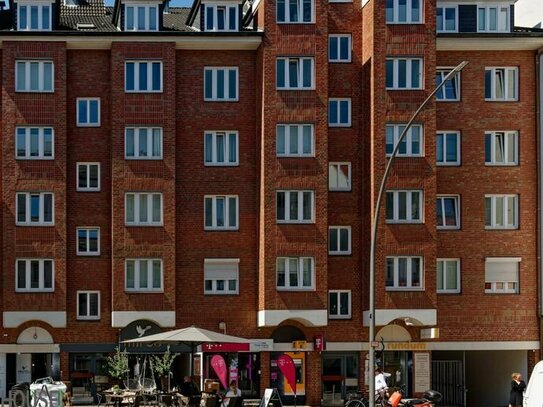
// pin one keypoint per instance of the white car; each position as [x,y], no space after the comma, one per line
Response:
[533,396]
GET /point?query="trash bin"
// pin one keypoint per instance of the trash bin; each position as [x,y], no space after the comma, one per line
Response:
[41,387]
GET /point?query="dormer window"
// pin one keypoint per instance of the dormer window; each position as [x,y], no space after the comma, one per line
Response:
[493,18]
[221,17]
[141,17]
[34,16]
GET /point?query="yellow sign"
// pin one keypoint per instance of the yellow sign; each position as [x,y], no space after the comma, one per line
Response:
[406,346]
[299,344]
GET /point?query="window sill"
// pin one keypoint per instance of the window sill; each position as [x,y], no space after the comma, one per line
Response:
[221,165]
[335,125]
[295,22]
[295,89]
[448,100]
[403,222]
[82,254]
[339,189]
[143,91]
[400,289]
[208,229]
[339,61]
[35,158]
[339,254]
[35,91]
[137,291]
[294,290]
[88,125]
[502,100]
[40,225]
[129,158]
[404,22]
[456,164]
[88,318]
[447,228]
[501,165]
[87,190]
[340,317]
[448,292]
[34,291]
[222,100]
[221,294]
[490,229]
[286,222]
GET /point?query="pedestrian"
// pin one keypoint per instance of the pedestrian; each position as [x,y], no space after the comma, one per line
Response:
[517,389]
[381,386]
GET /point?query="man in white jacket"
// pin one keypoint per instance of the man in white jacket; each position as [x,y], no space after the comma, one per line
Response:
[381,386]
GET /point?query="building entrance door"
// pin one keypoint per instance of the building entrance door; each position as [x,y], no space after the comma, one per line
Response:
[339,377]
[448,379]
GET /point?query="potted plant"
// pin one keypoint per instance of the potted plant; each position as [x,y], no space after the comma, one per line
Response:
[161,366]
[117,365]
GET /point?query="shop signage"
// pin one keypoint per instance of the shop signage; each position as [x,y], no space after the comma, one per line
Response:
[140,329]
[422,371]
[319,343]
[261,345]
[225,347]
[406,346]
[299,344]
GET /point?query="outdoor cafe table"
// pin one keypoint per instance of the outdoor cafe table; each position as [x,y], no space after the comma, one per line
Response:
[119,398]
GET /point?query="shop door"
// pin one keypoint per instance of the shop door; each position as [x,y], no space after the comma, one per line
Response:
[339,377]
[448,379]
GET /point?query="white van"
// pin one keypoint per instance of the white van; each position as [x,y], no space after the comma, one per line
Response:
[533,396]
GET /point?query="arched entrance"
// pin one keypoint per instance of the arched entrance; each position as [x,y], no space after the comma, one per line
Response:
[397,364]
[36,359]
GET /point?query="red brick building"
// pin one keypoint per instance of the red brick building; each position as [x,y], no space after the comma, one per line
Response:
[219,166]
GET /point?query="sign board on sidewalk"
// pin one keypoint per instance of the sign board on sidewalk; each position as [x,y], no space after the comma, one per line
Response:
[270,395]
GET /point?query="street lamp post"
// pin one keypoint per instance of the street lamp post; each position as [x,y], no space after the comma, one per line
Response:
[371,338]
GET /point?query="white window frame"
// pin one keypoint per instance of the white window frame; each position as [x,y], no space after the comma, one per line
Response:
[440,200]
[150,132]
[137,221]
[338,315]
[41,288]
[226,86]
[88,316]
[338,101]
[498,8]
[408,204]
[455,80]
[337,38]
[41,73]
[40,5]
[88,252]
[149,89]
[497,286]
[299,70]
[41,221]
[214,161]
[88,188]
[288,133]
[444,262]
[210,275]
[397,129]
[493,198]
[147,7]
[137,283]
[300,262]
[300,194]
[506,135]
[228,10]
[299,11]
[408,14]
[408,73]
[506,97]
[87,107]
[445,6]
[444,134]
[337,231]
[226,226]
[41,143]
[409,274]
[338,165]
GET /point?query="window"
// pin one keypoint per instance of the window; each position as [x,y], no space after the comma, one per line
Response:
[339,112]
[412,144]
[403,11]
[295,140]
[295,73]
[448,212]
[501,84]
[35,275]
[88,305]
[88,112]
[35,209]
[339,176]
[404,73]
[35,143]
[339,48]
[143,143]
[221,84]
[221,148]
[34,76]
[88,241]
[295,11]
[143,76]
[404,206]
[221,18]
[143,209]
[502,275]
[143,275]
[450,92]
[339,304]
[448,148]
[448,276]
[446,20]
[501,211]
[221,212]
[295,273]
[404,273]
[339,240]
[493,18]
[501,148]
[141,18]
[88,177]
[295,206]
[221,276]
[33,17]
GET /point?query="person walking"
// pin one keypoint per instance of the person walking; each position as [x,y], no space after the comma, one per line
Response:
[517,389]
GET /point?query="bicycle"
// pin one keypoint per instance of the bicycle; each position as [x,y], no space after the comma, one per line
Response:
[356,399]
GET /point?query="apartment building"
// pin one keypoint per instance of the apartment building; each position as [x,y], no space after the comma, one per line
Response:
[218,166]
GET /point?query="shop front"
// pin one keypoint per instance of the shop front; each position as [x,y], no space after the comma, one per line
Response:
[339,376]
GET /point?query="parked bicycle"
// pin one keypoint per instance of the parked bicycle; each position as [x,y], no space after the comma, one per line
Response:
[356,399]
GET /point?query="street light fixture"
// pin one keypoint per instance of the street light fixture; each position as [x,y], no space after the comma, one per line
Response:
[371,339]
